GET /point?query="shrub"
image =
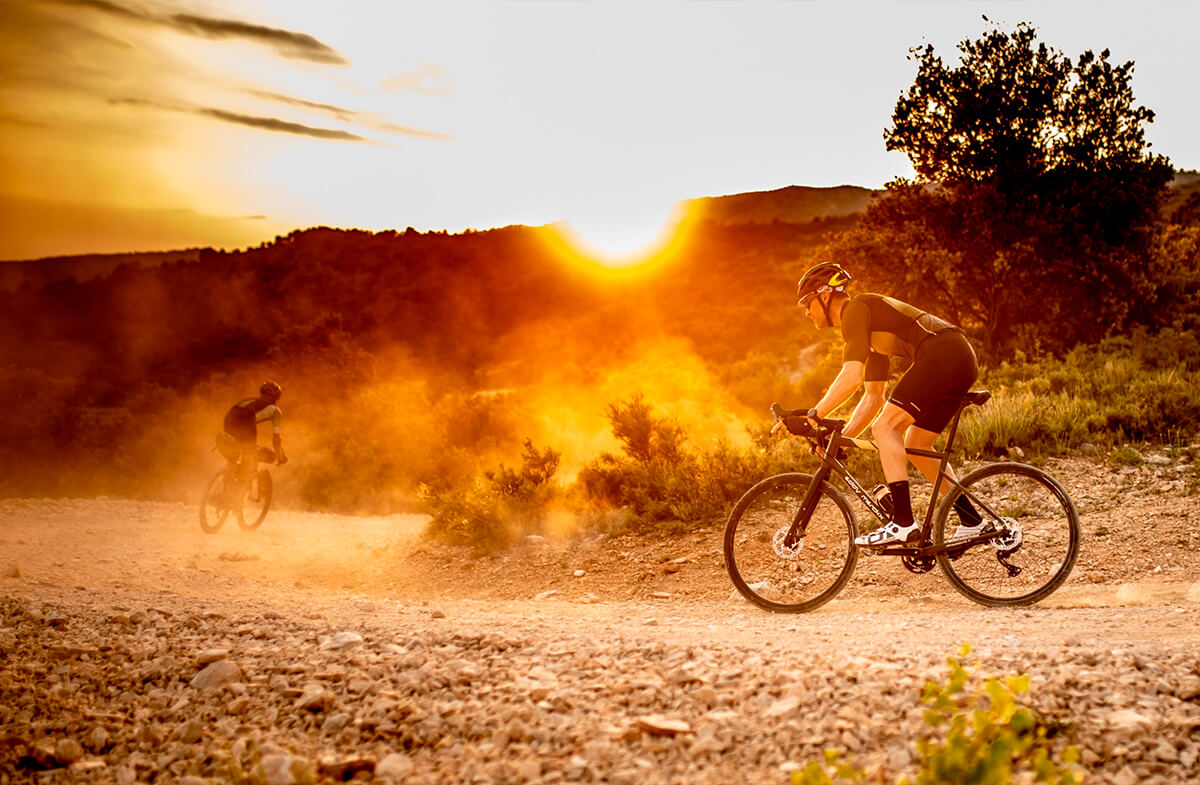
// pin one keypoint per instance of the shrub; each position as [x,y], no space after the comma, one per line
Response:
[981,737]
[497,507]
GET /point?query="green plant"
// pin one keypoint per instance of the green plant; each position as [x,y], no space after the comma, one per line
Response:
[492,509]
[983,736]
[1125,456]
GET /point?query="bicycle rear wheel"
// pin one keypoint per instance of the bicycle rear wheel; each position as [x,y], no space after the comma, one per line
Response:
[254,507]
[1038,545]
[215,502]
[776,576]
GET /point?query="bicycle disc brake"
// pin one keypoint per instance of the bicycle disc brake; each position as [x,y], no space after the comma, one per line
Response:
[1011,537]
[780,546]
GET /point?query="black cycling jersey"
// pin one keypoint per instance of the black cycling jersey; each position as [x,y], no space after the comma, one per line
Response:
[876,327]
[242,419]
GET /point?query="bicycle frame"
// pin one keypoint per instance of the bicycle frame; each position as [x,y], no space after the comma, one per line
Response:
[831,465]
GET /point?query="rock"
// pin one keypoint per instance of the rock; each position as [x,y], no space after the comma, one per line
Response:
[579,573]
[395,766]
[335,723]
[657,725]
[366,606]
[216,675]
[209,656]
[783,706]
[191,732]
[279,769]
[314,698]
[67,751]
[12,572]
[342,641]
[343,769]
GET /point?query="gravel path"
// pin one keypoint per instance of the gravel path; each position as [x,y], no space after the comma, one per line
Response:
[134,648]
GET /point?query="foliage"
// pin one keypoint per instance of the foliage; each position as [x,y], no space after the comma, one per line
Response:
[1036,194]
[980,737]
[660,482]
[1141,387]
[493,509]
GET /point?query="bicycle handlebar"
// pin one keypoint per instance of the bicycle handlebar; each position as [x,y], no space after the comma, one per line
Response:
[798,422]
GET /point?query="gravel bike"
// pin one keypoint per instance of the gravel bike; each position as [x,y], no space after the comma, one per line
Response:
[221,496]
[789,541]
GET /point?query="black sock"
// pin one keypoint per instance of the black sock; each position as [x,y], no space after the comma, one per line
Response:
[901,503]
[967,513]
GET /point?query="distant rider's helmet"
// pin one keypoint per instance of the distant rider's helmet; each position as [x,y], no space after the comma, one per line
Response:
[271,390]
[824,277]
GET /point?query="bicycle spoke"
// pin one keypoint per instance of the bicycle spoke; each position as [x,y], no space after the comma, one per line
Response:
[776,571]
[1038,545]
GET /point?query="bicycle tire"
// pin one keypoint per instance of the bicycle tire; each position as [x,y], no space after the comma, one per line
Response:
[793,582]
[1045,528]
[256,502]
[214,506]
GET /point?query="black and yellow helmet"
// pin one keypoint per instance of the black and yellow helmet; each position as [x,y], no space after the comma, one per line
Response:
[827,276]
[270,390]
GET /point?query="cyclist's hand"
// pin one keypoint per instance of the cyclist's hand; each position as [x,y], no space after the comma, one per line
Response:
[281,459]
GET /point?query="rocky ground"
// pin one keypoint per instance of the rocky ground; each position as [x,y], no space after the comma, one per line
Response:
[135,648]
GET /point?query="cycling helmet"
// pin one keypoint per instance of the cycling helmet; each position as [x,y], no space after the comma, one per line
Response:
[827,276]
[271,390]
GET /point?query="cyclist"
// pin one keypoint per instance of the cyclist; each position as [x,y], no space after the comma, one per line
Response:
[241,431]
[921,405]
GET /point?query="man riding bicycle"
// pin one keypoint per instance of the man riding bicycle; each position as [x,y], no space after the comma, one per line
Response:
[943,367]
[240,435]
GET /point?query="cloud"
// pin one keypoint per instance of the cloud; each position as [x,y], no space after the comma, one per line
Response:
[252,121]
[282,126]
[427,79]
[285,42]
[349,115]
[288,43]
[340,113]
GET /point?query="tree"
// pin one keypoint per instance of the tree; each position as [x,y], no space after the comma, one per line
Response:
[1033,213]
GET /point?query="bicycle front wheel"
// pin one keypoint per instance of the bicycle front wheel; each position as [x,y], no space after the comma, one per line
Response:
[1038,544]
[776,574]
[254,507]
[215,503]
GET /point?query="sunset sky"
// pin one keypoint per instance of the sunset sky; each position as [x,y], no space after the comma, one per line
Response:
[150,125]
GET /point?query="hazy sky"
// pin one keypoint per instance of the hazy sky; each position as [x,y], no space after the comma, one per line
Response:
[146,124]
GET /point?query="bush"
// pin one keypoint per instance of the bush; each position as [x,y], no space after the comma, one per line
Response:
[982,737]
[492,510]
[657,481]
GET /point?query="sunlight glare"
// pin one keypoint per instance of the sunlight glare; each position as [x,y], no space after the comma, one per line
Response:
[622,238]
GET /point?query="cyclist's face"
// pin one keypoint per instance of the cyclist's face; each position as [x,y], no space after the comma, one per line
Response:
[815,311]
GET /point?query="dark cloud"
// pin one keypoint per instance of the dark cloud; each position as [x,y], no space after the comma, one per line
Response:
[285,42]
[282,126]
[252,121]
[300,45]
[336,111]
[349,115]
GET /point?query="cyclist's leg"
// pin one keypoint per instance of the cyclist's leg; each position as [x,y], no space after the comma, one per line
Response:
[888,430]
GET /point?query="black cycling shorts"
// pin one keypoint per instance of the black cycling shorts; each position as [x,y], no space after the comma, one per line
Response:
[932,387]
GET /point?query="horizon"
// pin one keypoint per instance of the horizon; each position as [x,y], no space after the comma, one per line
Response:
[138,128]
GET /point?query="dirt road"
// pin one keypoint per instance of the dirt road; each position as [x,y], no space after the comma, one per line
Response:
[133,647]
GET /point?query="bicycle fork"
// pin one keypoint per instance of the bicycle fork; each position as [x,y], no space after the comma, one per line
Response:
[804,513]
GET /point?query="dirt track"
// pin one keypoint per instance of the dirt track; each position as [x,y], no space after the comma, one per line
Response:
[604,660]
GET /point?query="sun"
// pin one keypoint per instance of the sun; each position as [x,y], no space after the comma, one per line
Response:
[619,238]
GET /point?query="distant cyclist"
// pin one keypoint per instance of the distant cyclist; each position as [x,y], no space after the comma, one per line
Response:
[923,401]
[241,432]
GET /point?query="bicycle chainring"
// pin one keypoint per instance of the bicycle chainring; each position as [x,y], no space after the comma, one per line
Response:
[918,564]
[782,550]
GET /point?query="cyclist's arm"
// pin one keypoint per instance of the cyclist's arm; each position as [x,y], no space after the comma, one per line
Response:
[869,406]
[276,436]
[847,382]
